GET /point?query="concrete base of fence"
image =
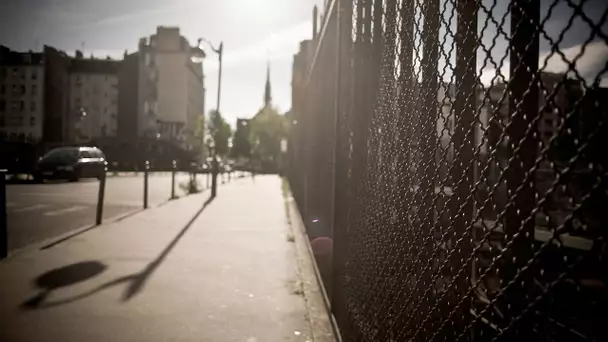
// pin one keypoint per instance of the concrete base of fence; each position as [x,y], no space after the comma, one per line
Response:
[322,321]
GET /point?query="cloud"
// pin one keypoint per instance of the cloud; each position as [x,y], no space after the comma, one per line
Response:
[589,61]
[277,46]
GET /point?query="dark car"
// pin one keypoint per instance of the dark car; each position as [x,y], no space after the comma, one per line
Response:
[71,163]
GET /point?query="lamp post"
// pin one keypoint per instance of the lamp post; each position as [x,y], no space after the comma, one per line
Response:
[220,52]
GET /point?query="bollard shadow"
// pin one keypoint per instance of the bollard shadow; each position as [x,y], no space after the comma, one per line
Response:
[84,230]
[72,274]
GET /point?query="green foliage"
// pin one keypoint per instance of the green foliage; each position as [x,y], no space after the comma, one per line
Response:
[199,134]
[241,146]
[219,130]
[266,131]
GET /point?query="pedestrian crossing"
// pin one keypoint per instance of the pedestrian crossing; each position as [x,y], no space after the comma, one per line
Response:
[65,210]
[43,209]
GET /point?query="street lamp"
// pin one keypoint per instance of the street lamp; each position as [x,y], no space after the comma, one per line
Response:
[214,170]
[220,52]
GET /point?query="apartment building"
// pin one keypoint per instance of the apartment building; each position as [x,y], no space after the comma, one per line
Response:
[171,87]
[93,98]
[21,95]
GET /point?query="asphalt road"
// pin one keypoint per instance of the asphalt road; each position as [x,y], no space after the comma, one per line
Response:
[38,212]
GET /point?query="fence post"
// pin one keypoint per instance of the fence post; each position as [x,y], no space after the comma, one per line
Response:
[100,197]
[173,179]
[146,170]
[522,147]
[3,223]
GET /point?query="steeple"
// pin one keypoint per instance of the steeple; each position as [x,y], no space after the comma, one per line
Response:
[267,92]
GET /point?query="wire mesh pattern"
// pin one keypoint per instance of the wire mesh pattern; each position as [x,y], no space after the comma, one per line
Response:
[453,152]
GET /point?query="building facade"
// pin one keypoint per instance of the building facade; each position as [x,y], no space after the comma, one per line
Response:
[171,87]
[93,99]
[21,95]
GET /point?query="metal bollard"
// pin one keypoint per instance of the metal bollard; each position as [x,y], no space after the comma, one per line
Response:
[146,171]
[173,179]
[3,224]
[208,178]
[100,198]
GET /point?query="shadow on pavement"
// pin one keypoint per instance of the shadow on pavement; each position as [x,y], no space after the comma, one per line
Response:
[84,230]
[72,274]
[62,277]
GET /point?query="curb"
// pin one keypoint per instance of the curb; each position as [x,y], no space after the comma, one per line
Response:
[55,240]
[297,224]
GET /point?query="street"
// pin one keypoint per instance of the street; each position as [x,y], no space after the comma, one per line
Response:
[40,211]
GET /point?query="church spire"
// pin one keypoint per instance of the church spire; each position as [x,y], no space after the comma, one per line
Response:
[267,92]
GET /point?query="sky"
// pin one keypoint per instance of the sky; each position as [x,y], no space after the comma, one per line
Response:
[257,31]
[253,32]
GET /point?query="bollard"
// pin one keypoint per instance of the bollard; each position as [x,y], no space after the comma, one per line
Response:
[146,171]
[214,172]
[100,197]
[173,179]
[208,180]
[3,224]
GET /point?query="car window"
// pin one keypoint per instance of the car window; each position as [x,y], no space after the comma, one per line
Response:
[61,155]
[85,154]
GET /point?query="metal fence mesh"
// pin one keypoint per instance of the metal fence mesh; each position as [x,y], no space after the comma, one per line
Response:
[452,150]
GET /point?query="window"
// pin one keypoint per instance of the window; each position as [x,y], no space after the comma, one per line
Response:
[2,106]
[1,121]
[22,105]
[33,106]
[34,89]
[32,121]
[15,71]
[86,154]
[34,74]
[3,89]
[22,89]
[3,73]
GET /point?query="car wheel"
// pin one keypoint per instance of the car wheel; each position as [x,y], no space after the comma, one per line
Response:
[75,176]
[38,178]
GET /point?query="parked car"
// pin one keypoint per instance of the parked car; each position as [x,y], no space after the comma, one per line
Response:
[71,163]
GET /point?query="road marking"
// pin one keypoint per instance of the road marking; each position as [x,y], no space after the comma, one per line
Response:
[30,208]
[65,210]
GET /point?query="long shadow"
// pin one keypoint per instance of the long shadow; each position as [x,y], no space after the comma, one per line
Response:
[136,281]
[84,230]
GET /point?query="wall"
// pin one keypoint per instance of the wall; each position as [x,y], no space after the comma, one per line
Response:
[128,95]
[21,102]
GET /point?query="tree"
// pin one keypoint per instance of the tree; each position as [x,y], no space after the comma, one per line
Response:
[267,129]
[241,145]
[219,130]
[199,134]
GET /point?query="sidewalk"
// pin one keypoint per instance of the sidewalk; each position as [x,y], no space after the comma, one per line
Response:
[228,272]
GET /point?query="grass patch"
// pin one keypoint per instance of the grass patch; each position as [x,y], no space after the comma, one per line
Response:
[297,288]
[192,186]
[291,238]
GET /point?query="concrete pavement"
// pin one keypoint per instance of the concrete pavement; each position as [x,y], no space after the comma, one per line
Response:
[184,271]
[39,211]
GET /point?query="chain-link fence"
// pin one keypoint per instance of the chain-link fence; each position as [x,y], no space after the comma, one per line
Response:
[452,150]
